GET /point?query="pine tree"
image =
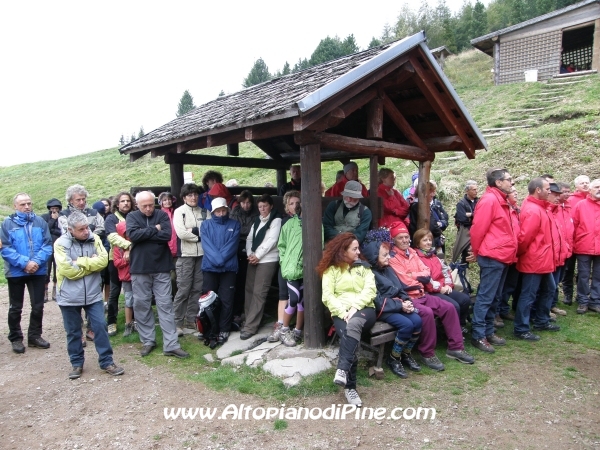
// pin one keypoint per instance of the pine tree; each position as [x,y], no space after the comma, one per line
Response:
[258,74]
[222,93]
[132,137]
[186,104]
[479,22]
[374,42]
[141,132]
[122,140]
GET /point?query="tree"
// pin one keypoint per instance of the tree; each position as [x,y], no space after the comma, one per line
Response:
[285,71]
[333,48]
[222,93]
[186,104]
[122,140]
[301,65]
[479,22]
[258,74]
[141,132]
[374,42]
[132,137]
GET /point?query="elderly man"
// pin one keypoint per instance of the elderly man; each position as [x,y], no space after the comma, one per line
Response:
[80,258]
[559,193]
[26,247]
[586,247]
[538,238]
[463,219]
[295,184]
[350,174]
[149,230]
[348,214]
[582,187]
[77,201]
[494,244]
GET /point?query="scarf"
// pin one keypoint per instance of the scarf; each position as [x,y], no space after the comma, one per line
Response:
[259,235]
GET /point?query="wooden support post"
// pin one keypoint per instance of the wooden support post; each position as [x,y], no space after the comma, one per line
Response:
[233,149]
[310,161]
[423,192]
[596,48]
[375,119]
[176,170]
[373,185]
[281,179]
[496,63]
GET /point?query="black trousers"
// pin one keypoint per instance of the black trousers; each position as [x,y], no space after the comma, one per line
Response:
[223,284]
[113,296]
[36,286]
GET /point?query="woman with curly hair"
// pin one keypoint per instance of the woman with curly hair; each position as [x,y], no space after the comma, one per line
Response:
[348,292]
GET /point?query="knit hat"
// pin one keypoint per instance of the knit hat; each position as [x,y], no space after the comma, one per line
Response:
[396,228]
[352,189]
[351,165]
[100,207]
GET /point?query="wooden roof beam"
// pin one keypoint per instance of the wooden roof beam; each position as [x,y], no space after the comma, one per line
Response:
[229,137]
[364,146]
[135,156]
[269,150]
[402,124]
[210,160]
[443,144]
[429,89]
[269,130]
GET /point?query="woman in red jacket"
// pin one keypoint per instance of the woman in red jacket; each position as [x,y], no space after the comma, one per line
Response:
[395,208]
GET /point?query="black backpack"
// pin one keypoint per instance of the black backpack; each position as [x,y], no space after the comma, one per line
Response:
[207,319]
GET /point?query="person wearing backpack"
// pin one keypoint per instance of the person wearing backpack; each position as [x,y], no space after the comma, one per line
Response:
[348,214]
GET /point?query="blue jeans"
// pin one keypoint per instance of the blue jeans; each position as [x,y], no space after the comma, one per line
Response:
[72,322]
[558,276]
[588,270]
[511,287]
[542,300]
[491,282]
[407,324]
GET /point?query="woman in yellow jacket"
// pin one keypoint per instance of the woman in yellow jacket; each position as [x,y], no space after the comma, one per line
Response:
[348,292]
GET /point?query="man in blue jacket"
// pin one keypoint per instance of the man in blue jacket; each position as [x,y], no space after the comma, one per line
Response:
[26,247]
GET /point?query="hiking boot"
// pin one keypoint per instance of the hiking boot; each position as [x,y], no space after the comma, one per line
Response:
[593,308]
[560,312]
[352,397]
[494,339]
[568,300]
[114,370]
[244,335]
[275,335]
[482,344]
[582,309]
[128,329]
[146,349]
[179,331]
[396,366]
[178,353]
[222,337]
[461,356]
[547,327]
[433,363]
[38,342]
[112,329]
[340,377]
[498,323]
[527,336]
[291,338]
[507,316]
[75,372]
[552,317]
[89,335]
[408,361]
[18,347]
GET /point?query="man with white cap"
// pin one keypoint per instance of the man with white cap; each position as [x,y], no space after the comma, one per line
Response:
[347,214]
[350,174]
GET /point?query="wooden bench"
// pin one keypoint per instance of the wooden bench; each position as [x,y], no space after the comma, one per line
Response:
[380,334]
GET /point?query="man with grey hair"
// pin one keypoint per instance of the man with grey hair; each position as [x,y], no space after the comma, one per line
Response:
[463,219]
[295,184]
[149,229]
[76,197]
[80,258]
[350,174]
[26,247]
[347,214]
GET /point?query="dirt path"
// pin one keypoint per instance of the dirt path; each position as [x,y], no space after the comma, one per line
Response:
[518,407]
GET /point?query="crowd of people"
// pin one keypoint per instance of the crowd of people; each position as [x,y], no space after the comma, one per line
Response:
[170,251]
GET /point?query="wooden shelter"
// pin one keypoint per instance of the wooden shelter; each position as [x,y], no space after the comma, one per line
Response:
[566,36]
[390,101]
[440,54]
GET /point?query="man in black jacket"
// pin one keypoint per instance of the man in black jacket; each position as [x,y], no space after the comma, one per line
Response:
[149,230]
[51,217]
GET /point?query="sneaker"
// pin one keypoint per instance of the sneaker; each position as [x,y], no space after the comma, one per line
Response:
[461,356]
[396,366]
[582,309]
[593,308]
[507,316]
[553,316]
[275,335]
[75,372]
[464,330]
[18,347]
[244,335]
[568,300]
[222,337]
[558,311]
[83,342]
[135,327]
[291,338]
[408,361]
[433,363]
[494,339]
[89,335]
[38,342]
[146,349]
[547,327]
[178,353]
[179,331]
[482,344]
[114,370]
[498,323]
[128,329]
[340,377]
[527,336]
[352,397]
[112,329]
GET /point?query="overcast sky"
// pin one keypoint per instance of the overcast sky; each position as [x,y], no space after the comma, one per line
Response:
[77,75]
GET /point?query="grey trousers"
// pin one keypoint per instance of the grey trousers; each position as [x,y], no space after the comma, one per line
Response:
[258,282]
[159,284]
[189,289]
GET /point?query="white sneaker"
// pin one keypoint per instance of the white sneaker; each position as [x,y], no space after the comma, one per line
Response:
[340,377]
[352,397]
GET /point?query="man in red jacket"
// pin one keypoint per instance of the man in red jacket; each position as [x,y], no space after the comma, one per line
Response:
[586,246]
[582,186]
[350,174]
[538,238]
[494,244]
[559,193]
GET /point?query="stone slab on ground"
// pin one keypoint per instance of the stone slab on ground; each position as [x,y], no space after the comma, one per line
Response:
[293,380]
[291,366]
[283,352]
[234,343]
[236,360]
[254,358]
